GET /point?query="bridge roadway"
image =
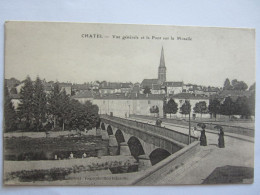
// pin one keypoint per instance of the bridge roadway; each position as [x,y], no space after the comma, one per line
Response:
[238,151]
[145,141]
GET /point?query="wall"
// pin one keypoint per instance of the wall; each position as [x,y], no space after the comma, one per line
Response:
[166,166]
[122,107]
[84,100]
[174,90]
[142,107]
[119,107]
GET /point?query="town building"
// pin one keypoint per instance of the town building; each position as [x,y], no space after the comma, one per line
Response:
[84,96]
[124,104]
[173,87]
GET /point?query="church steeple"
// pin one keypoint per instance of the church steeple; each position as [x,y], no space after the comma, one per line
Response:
[162,62]
[162,69]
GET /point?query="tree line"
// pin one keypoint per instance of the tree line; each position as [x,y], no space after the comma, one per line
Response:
[38,111]
[243,106]
[235,85]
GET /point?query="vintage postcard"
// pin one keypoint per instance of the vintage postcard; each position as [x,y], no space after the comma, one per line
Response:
[119,104]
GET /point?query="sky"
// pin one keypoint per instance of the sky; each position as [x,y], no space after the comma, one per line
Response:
[80,52]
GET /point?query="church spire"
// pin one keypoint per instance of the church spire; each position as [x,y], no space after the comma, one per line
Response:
[162,62]
[162,69]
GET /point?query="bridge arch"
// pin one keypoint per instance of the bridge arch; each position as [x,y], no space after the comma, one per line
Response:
[103,127]
[158,155]
[109,130]
[135,147]
[119,137]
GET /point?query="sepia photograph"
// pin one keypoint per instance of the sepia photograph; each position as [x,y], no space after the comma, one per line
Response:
[99,104]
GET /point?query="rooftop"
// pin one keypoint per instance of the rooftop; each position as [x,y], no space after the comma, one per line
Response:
[131,96]
[85,94]
[188,96]
[173,84]
[149,82]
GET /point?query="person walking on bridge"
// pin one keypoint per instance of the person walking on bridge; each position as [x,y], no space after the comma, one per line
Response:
[203,138]
[221,141]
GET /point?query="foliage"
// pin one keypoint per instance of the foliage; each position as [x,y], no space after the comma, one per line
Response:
[201,108]
[185,108]
[171,107]
[56,111]
[147,90]
[39,103]
[227,85]
[25,108]
[235,85]
[242,107]
[9,112]
[154,109]
[252,87]
[239,85]
[83,116]
[214,107]
[227,107]
[251,104]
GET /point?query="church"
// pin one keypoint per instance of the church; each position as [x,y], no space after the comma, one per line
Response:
[138,103]
[156,85]
[160,85]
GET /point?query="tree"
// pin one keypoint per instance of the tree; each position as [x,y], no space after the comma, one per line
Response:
[154,109]
[39,103]
[172,107]
[25,108]
[64,108]
[227,85]
[54,103]
[83,116]
[228,107]
[251,104]
[9,112]
[234,82]
[185,108]
[165,107]
[239,85]
[147,90]
[252,87]
[201,108]
[214,107]
[242,107]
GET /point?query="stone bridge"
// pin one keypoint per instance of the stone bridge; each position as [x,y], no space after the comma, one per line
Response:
[147,143]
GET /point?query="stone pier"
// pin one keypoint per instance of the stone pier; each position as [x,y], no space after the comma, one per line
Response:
[144,162]
[104,135]
[113,145]
[124,149]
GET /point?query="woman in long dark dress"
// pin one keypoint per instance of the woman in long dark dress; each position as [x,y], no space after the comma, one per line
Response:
[203,138]
[221,141]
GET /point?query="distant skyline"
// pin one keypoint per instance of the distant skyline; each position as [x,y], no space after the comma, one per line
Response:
[57,51]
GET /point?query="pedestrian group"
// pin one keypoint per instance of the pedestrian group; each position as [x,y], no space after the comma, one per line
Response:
[203,138]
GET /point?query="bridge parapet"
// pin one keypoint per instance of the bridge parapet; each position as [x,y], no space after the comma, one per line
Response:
[175,135]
